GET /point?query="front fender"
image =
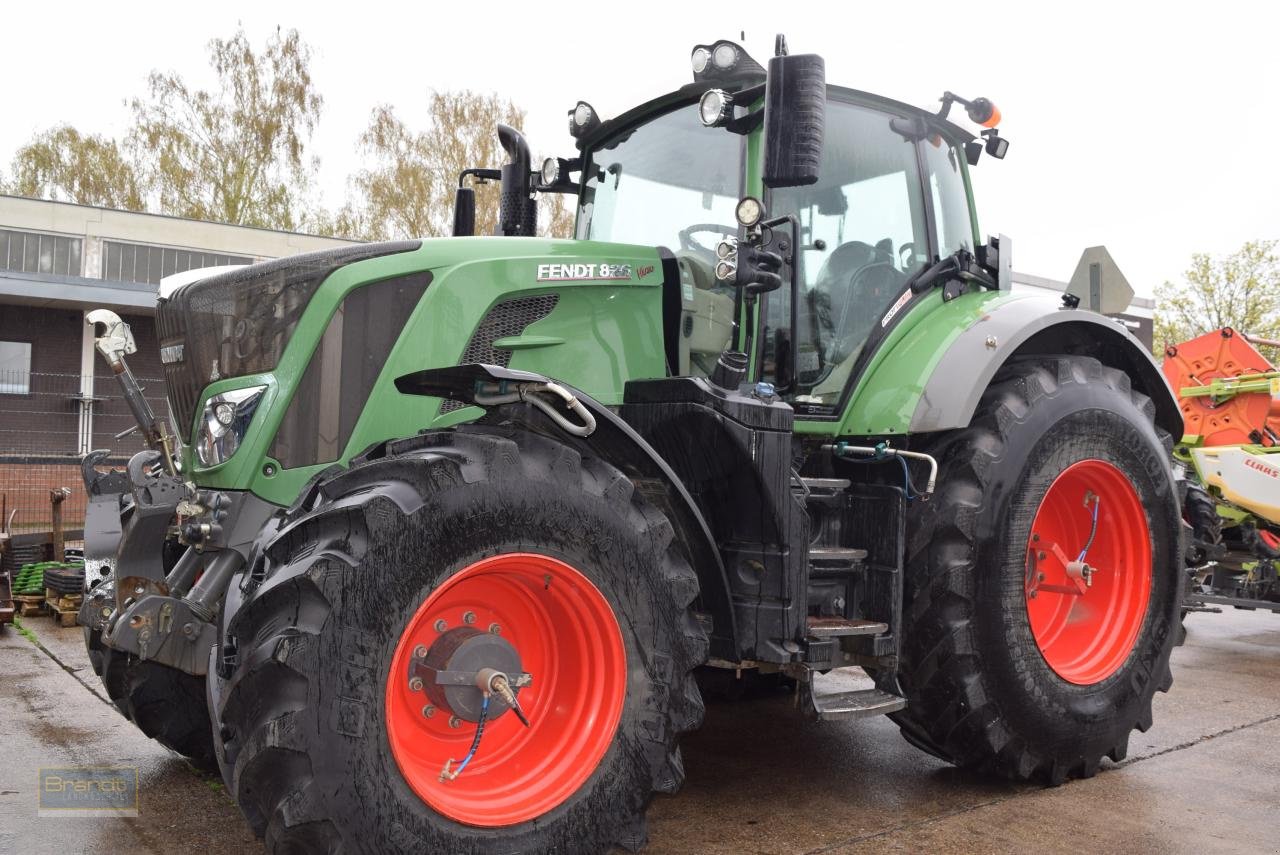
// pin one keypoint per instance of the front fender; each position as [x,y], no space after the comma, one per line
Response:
[617,442]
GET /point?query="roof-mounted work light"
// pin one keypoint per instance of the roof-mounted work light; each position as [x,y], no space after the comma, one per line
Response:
[583,119]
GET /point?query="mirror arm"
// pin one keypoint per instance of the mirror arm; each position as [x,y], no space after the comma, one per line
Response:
[481,175]
[744,125]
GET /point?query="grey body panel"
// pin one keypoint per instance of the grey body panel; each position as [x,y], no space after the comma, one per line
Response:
[953,391]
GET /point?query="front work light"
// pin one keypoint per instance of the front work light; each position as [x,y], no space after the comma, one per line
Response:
[223,424]
[550,170]
[701,56]
[583,119]
[715,107]
[749,212]
[723,61]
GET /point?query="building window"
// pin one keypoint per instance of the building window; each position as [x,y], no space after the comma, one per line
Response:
[15,368]
[139,262]
[29,252]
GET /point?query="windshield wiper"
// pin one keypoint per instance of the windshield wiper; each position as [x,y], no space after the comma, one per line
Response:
[960,264]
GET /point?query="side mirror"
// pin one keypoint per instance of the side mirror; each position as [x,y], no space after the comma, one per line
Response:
[464,212]
[794,120]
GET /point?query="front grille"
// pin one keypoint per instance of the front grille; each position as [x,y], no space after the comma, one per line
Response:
[238,323]
[505,319]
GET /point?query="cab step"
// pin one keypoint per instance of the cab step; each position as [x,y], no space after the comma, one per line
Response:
[848,693]
[836,560]
[837,627]
[826,486]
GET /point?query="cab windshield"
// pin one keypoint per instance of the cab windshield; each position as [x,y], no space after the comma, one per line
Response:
[669,182]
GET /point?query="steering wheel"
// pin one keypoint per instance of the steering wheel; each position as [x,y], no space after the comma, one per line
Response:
[688,244]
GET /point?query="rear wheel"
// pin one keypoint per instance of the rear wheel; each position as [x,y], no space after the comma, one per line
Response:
[1044,579]
[460,551]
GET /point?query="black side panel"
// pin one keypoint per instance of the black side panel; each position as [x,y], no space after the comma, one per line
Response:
[238,323]
[875,520]
[352,352]
[671,309]
[732,451]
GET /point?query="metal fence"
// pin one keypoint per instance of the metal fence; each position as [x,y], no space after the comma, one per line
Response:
[48,422]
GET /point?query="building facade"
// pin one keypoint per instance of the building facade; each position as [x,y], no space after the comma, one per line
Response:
[57,397]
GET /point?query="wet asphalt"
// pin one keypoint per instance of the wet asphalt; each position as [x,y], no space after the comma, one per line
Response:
[1205,779]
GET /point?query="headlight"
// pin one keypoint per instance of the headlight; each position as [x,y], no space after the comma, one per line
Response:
[223,423]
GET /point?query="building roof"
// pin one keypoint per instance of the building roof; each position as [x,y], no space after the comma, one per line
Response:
[94,226]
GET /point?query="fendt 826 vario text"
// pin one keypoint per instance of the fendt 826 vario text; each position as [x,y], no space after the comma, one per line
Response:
[444,539]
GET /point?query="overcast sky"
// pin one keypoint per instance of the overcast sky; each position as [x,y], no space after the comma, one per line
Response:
[1149,127]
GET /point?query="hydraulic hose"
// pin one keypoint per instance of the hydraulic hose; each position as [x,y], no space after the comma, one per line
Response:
[884,452]
[530,393]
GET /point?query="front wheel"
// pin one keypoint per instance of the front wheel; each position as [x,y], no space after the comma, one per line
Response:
[1044,581]
[351,718]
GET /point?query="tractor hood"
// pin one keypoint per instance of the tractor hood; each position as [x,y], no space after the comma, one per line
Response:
[318,339]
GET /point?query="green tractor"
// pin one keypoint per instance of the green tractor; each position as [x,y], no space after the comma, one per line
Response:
[442,537]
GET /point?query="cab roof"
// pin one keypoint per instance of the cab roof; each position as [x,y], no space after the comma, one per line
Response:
[691,92]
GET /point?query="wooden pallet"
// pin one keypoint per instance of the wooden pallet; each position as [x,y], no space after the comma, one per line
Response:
[64,617]
[62,601]
[29,605]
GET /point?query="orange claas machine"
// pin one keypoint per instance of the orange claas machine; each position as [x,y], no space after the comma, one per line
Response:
[1229,394]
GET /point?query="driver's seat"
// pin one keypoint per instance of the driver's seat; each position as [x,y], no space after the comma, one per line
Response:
[860,280]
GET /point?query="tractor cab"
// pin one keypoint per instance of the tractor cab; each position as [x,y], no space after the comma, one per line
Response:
[856,195]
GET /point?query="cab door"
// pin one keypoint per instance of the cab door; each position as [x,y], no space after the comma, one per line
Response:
[884,208]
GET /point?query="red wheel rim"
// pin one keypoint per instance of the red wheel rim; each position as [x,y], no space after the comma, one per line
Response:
[1269,539]
[1085,622]
[568,639]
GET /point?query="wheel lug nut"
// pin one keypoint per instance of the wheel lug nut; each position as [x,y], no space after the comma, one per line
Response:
[441,625]
[454,721]
[415,685]
[428,711]
[468,617]
[420,652]
[495,629]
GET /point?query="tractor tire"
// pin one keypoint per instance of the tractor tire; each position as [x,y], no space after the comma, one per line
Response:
[1043,685]
[166,704]
[1200,512]
[326,744]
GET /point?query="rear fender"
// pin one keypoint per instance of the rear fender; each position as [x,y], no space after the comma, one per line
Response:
[1024,327]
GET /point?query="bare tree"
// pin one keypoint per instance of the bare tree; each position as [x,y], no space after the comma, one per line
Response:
[408,189]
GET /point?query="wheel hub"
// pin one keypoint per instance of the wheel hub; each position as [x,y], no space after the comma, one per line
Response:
[461,668]
[1088,572]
